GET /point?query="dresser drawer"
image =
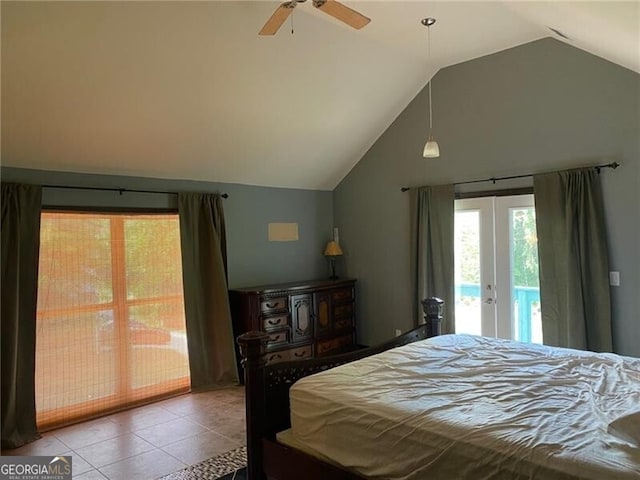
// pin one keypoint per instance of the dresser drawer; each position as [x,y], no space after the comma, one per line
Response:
[273,305]
[278,338]
[290,354]
[301,352]
[327,346]
[275,357]
[341,311]
[343,323]
[342,294]
[275,322]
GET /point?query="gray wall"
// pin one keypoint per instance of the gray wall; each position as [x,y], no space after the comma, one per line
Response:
[253,260]
[537,107]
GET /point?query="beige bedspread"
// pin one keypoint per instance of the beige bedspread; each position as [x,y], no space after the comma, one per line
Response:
[465,407]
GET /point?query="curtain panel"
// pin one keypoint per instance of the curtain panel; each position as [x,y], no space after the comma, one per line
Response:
[20,223]
[206,300]
[573,260]
[432,250]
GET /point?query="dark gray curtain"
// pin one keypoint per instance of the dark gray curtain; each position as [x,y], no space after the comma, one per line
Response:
[21,205]
[432,249]
[574,260]
[206,301]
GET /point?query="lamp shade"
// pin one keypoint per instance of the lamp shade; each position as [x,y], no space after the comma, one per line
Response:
[431,149]
[332,249]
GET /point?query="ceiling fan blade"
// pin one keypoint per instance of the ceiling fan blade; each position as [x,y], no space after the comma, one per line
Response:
[278,18]
[342,13]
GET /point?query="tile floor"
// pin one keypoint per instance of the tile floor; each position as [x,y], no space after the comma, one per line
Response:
[150,441]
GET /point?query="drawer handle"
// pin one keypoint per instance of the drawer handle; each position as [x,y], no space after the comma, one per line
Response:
[277,322]
[275,338]
[299,354]
[271,305]
[275,357]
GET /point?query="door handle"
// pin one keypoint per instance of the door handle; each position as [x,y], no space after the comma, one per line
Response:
[489,301]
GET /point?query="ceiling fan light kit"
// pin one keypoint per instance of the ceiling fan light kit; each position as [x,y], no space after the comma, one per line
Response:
[336,9]
[431,148]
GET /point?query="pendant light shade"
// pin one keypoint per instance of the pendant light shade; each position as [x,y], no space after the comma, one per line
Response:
[431,148]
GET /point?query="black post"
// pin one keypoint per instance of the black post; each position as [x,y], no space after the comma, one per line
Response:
[253,346]
[433,308]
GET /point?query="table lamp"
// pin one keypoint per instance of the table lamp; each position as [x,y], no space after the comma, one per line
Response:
[331,251]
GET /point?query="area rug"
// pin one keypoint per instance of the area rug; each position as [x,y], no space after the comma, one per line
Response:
[230,465]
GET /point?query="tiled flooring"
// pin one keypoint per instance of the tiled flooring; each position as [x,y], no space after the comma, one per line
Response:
[151,441]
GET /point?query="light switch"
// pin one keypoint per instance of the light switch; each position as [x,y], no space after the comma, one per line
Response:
[614,279]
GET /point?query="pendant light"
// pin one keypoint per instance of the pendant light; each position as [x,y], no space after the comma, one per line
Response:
[431,149]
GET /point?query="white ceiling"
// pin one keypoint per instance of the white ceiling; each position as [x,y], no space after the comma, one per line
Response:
[188,90]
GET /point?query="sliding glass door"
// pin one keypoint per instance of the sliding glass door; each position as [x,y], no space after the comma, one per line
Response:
[496,268]
[110,319]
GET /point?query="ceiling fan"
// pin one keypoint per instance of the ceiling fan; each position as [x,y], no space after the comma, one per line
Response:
[332,7]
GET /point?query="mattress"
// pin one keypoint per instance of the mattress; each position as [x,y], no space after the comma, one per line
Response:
[466,407]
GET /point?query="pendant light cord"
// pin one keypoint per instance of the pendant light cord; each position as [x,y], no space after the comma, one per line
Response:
[429,65]
[430,114]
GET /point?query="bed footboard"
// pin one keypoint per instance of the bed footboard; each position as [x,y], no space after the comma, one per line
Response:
[267,386]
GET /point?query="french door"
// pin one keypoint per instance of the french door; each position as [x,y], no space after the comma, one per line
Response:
[496,268]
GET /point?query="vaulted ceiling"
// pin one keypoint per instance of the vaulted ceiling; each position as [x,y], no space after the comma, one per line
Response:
[189,90]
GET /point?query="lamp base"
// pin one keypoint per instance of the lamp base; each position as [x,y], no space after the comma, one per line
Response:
[332,262]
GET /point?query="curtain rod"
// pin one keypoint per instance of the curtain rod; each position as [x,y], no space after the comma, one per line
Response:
[119,190]
[612,165]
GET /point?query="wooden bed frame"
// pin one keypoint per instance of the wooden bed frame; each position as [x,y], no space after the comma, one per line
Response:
[267,401]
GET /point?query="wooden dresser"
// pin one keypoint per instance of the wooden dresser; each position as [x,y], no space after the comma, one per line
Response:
[303,319]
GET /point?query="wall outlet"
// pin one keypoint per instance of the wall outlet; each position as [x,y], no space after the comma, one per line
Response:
[398,332]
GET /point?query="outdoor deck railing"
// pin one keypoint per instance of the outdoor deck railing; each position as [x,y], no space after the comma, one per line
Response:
[524,299]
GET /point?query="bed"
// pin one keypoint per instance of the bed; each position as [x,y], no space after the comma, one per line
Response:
[443,407]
